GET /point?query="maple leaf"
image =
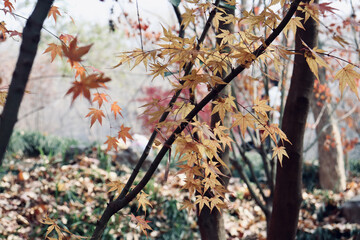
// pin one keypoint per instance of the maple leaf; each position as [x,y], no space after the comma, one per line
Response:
[3,28]
[100,98]
[143,201]
[73,52]
[54,11]
[86,83]
[244,121]
[202,200]
[116,109]
[348,76]
[3,98]
[279,152]
[96,114]
[324,7]
[260,106]
[111,142]
[216,202]
[124,133]
[142,223]
[313,59]
[79,70]
[55,50]
[293,24]
[8,5]
[223,105]
[116,186]
[188,205]
[188,16]
[66,38]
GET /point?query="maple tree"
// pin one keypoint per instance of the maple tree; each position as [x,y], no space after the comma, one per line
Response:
[193,61]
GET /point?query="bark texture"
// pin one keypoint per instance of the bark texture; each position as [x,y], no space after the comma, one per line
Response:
[287,196]
[28,49]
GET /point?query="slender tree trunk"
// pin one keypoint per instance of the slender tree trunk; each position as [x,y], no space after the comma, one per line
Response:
[211,224]
[331,160]
[28,49]
[287,196]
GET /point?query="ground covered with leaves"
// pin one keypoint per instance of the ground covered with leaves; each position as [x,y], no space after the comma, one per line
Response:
[75,192]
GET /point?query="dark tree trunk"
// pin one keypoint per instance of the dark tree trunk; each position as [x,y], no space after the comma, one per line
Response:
[28,49]
[211,224]
[287,196]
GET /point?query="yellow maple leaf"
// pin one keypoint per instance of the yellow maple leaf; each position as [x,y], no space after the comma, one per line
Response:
[279,152]
[260,106]
[202,200]
[348,76]
[313,59]
[244,121]
[143,201]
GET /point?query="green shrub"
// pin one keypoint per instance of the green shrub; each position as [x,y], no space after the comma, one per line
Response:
[32,144]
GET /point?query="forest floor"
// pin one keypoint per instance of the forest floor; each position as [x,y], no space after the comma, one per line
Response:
[74,195]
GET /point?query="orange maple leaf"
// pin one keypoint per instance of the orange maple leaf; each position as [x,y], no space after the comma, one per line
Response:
[54,50]
[96,114]
[111,142]
[116,109]
[142,223]
[54,11]
[8,5]
[73,52]
[100,98]
[124,133]
[66,38]
[85,84]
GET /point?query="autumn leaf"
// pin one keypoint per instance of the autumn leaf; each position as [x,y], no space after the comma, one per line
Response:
[86,83]
[54,11]
[348,76]
[116,186]
[73,52]
[223,105]
[111,142]
[313,59]
[3,28]
[96,114]
[143,201]
[260,106]
[279,152]
[142,223]
[55,50]
[100,98]
[124,133]
[2,98]
[202,200]
[116,109]
[8,5]
[244,121]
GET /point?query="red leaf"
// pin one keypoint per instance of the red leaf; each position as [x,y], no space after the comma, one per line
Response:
[96,114]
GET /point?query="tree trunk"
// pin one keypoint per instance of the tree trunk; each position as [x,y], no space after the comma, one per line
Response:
[287,196]
[211,224]
[28,49]
[331,159]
